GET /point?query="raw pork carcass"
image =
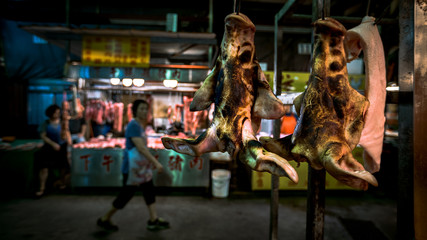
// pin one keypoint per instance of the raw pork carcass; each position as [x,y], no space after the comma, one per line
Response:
[65,129]
[242,97]
[331,113]
[129,112]
[80,108]
[367,38]
[118,116]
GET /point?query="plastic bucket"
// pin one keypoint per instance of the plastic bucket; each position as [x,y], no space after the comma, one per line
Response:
[220,182]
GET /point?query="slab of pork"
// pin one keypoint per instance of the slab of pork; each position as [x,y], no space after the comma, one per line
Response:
[367,38]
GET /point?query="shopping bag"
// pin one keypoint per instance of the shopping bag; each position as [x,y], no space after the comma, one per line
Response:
[140,170]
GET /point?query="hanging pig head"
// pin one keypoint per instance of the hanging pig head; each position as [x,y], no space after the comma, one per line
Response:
[331,113]
[242,97]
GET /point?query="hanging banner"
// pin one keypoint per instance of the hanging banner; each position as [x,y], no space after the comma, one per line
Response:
[104,51]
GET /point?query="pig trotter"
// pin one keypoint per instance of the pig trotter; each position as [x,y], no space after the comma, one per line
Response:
[206,142]
[255,156]
[340,163]
[180,145]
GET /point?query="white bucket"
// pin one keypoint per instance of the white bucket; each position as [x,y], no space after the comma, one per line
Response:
[220,182]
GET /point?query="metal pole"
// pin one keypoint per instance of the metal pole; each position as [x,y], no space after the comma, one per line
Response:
[277,82]
[405,199]
[67,24]
[210,29]
[274,200]
[316,178]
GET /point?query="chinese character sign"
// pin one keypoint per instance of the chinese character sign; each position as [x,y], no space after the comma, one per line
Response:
[106,162]
[197,161]
[96,162]
[175,162]
[181,170]
[102,51]
[96,167]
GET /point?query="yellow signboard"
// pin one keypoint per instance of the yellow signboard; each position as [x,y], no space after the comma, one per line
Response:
[297,81]
[104,51]
[291,81]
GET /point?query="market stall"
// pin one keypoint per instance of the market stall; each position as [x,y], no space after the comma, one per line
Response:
[167,68]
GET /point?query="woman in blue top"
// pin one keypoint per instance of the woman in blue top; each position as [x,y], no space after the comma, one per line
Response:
[136,139]
[53,154]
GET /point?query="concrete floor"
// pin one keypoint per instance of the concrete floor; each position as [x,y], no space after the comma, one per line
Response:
[193,215]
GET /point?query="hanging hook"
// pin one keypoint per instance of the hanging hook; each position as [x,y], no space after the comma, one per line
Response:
[323,9]
[382,15]
[237,6]
[367,8]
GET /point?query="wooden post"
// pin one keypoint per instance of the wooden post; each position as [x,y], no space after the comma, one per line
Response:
[315,204]
[420,115]
[316,178]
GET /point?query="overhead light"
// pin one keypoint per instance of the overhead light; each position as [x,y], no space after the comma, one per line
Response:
[127,82]
[138,82]
[170,83]
[392,87]
[115,81]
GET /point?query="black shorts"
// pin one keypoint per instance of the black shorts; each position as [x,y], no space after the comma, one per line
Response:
[47,157]
[127,192]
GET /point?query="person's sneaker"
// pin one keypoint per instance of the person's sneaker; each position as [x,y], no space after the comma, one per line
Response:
[107,225]
[157,224]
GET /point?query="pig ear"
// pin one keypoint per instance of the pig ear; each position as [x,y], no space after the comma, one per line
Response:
[267,105]
[206,93]
[352,45]
[298,103]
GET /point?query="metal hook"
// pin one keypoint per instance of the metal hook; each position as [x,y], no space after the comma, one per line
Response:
[323,9]
[382,15]
[367,8]
[237,6]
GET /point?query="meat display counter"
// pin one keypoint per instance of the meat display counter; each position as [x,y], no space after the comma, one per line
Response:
[97,163]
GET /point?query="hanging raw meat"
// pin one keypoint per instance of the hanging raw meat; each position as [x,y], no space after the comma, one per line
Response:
[149,100]
[80,108]
[367,38]
[118,116]
[178,112]
[99,116]
[242,96]
[188,115]
[331,113]
[129,112]
[109,112]
[192,120]
[171,115]
[65,130]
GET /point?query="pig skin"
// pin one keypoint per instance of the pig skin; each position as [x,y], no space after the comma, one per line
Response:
[367,38]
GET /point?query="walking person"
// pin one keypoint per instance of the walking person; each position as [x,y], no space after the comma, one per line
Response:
[136,176]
